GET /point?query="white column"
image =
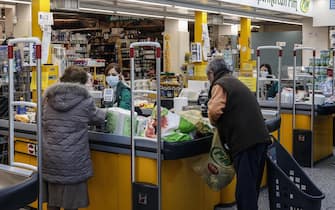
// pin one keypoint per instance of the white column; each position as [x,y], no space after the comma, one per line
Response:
[317,37]
[23,26]
[179,42]
[9,22]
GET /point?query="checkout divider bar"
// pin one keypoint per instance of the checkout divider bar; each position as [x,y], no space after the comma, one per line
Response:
[313,93]
[12,103]
[132,53]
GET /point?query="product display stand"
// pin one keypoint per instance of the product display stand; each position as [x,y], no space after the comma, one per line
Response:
[280,54]
[303,136]
[146,196]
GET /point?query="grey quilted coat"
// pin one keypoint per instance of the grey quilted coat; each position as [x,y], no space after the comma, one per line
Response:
[68,108]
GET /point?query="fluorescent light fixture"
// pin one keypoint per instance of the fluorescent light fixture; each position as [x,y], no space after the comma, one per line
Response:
[228,24]
[254,26]
[235,15]
[97,10]
[195,9]
[139,14]
[16,2]
[177,18]
[149,3]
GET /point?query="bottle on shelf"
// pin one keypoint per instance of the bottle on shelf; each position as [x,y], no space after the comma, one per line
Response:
[21,109]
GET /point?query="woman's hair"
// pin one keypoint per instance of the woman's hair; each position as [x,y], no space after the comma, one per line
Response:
[268,67]
[74,74]
[111,66]
[218,66]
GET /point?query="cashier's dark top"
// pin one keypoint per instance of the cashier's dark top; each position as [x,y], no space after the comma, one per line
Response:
[241,125]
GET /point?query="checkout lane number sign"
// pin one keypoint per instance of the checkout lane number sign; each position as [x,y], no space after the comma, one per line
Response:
[332,4]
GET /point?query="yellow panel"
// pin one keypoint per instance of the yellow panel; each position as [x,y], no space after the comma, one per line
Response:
[250,82]
[38,6]
[52,73]
[124,184]
[111,184]
[24,158]
[228,193]
[200,18]
[323,133]
[25,140]
[146,170]
[323,137]
[103,185]
[199,68]
[245,36]
[200,71]
[286,132]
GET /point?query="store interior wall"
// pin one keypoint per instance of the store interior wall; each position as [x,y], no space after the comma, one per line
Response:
[317,37]
[323,15]
[279,27]
[23,26]
[271,56]
[179,43]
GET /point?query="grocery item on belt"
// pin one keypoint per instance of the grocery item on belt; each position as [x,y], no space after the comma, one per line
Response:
[118,121]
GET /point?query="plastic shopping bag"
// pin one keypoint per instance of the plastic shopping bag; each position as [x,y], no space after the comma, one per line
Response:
[217,169]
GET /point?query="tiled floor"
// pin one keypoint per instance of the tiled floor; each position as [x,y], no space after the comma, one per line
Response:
[323,175]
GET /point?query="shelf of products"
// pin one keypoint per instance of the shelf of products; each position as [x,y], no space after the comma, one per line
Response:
[145,60]
[75,42]
[106,51]
[21,75]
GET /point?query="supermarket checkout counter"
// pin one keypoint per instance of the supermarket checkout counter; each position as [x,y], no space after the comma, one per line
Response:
[322,132]
[110,187]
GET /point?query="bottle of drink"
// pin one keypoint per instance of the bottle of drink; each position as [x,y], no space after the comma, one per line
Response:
[21,109]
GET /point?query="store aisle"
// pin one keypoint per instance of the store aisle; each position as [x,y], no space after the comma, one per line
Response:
[323,175]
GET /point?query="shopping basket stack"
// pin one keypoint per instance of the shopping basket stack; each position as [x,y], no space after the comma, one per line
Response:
[289,186]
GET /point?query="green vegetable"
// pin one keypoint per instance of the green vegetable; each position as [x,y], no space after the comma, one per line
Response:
[177,137]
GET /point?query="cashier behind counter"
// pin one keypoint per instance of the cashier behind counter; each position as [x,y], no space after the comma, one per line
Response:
[272,88]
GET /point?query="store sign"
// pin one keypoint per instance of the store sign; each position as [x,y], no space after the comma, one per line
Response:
[299,7]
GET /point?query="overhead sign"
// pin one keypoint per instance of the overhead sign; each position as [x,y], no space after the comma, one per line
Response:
[298,7]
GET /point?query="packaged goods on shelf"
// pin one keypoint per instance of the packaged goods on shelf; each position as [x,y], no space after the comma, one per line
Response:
[88,62]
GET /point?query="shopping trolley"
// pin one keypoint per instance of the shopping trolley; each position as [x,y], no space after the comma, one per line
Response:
[146,196]
[303,139]
[24,192]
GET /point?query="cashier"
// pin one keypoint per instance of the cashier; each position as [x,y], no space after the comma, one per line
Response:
[234,111]
[115,80]
[266,72]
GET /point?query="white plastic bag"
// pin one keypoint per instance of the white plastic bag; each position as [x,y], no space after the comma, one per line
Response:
[217,169]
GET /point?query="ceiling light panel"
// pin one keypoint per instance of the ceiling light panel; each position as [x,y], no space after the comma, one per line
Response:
[147,3]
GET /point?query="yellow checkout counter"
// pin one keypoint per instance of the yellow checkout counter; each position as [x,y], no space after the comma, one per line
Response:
[110,187]
[322,134]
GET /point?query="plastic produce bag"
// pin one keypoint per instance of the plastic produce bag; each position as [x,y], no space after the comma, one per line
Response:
[177,137]
[169,121]
[217,169]
[118,121]
[195,118]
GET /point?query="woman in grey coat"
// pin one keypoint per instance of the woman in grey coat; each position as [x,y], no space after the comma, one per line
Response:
[68,109]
